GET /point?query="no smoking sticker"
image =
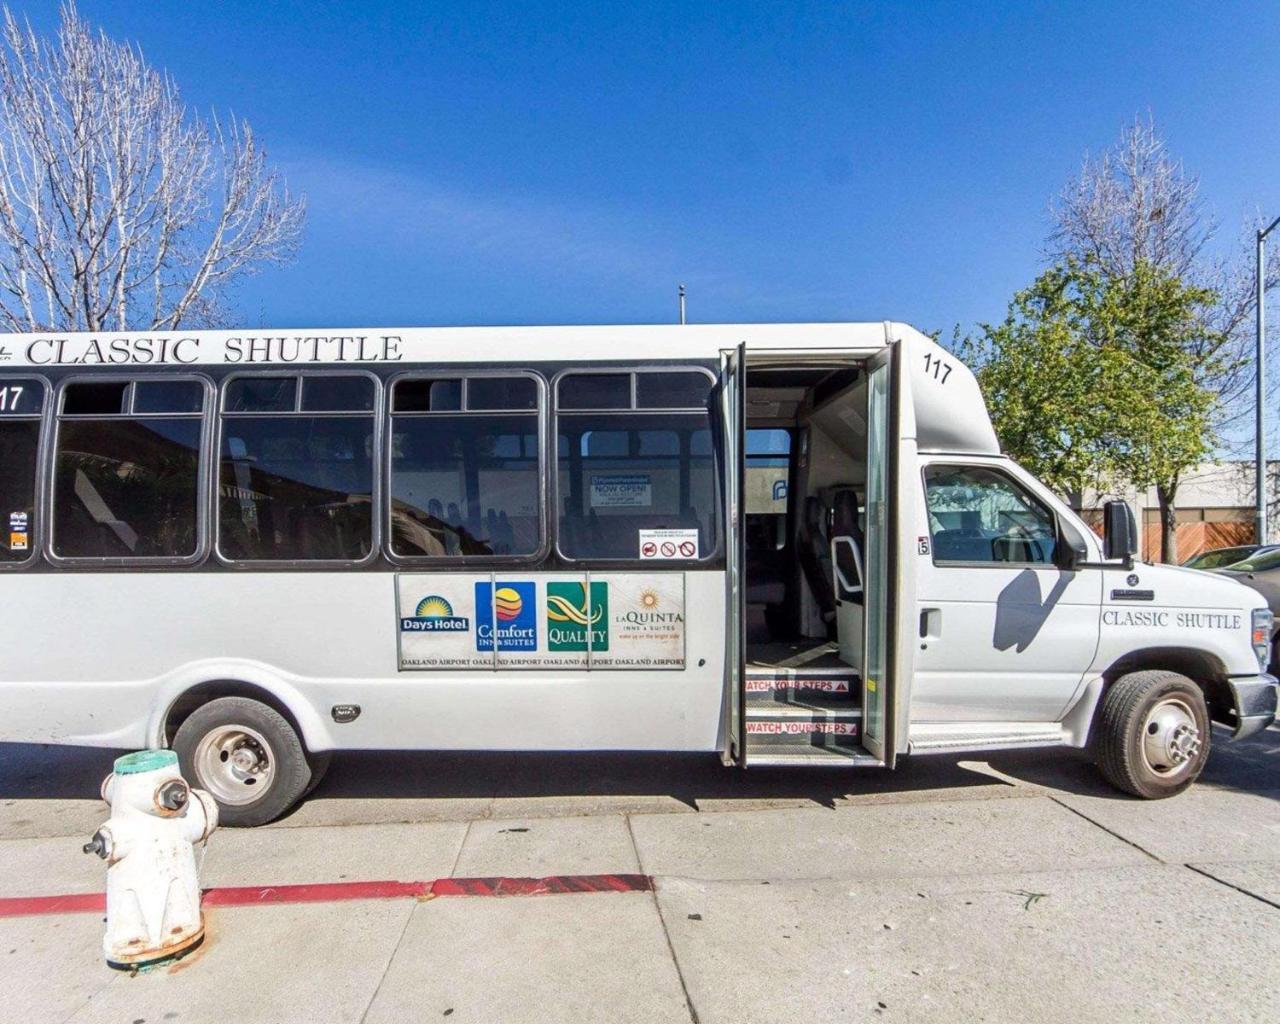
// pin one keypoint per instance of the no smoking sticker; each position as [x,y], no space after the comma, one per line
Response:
[668,544]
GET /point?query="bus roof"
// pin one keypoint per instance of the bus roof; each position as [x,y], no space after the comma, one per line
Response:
[410,345]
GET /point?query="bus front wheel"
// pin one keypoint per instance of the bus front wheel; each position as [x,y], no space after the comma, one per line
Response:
[246,756]
[1153,734]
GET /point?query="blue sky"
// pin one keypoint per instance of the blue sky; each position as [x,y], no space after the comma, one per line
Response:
[470,163]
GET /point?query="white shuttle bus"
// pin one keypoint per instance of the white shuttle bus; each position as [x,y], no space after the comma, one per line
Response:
[791,544]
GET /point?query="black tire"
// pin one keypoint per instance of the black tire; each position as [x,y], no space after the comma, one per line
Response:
[290,771]
[1153,734]
[319,767]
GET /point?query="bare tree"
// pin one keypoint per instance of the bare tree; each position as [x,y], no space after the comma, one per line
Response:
[1136,204]
[119,208]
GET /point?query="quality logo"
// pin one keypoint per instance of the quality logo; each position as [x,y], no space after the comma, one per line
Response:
[570,617]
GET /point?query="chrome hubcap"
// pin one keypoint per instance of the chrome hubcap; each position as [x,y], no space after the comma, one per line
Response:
[1170,737]
[235,764]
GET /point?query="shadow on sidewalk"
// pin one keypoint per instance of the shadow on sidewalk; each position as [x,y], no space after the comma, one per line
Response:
[37,771]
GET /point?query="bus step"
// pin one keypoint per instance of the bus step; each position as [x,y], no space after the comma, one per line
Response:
[810,757]
[819,672]
[792,727]
[776,688]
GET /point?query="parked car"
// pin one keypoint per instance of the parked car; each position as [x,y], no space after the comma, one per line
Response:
[1261,572]
[1220,558]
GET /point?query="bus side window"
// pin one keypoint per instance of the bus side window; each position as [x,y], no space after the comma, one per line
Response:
[465,467]
[634,453]
[295,474]
[21,406]
[126,476]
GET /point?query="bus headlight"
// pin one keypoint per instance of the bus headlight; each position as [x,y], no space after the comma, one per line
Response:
[1263,621]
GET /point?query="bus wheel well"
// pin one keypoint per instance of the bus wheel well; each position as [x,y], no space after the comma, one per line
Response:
[199,695]
[1204,669]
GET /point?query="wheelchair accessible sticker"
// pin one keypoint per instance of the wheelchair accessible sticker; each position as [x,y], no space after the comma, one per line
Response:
[668,544]
[18,531]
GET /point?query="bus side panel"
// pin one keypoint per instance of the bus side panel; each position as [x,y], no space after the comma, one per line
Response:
[96,659]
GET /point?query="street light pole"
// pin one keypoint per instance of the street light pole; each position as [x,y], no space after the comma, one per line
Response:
[1260,457]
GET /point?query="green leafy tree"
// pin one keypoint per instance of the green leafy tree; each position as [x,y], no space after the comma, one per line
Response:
[1096,378]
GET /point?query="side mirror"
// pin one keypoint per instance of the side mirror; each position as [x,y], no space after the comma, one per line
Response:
[1120,531]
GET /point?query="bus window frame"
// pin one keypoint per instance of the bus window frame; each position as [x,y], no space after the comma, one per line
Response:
[374,413]
[203,475]
[542,416]
[714,428]
[35,544]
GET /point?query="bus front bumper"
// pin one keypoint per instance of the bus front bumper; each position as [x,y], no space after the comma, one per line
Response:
[1254,698]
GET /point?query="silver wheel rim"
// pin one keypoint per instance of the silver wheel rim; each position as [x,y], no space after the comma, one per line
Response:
[1171,738]
[235,764]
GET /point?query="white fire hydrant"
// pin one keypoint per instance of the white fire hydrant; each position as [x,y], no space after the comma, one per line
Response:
[153,890]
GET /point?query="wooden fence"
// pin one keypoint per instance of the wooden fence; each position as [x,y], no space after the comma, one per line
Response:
[1196,537]
[1193,538]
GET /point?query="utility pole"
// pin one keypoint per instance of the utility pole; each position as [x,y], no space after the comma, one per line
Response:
[1260,455]
[682,302]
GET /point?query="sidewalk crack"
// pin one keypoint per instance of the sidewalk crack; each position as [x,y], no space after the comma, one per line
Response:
[666,934]
[453,870]
[387,967]
[1109,831]
[1232,885]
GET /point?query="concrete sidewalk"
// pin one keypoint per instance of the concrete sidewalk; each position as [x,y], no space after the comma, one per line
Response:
[1029,893]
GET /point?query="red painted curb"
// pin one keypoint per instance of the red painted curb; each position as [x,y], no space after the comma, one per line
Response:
[77,903]
[334,892]
[320,892]
[552,885]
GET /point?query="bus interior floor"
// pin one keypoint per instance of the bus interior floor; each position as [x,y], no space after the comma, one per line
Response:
[805,653]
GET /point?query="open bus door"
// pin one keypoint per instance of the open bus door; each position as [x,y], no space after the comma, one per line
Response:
[733,394]
[873,731]
[886,645]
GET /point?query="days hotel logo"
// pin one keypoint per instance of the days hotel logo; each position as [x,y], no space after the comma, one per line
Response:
[434,615]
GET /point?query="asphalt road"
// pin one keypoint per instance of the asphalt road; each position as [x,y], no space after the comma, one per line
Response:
[1016,887]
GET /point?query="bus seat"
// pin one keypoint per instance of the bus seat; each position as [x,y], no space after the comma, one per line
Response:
[815,557]
[962,545]
[844,523]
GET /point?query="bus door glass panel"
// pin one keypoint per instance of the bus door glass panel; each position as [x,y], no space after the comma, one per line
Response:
[1005,635]
[875,653]
[21,406]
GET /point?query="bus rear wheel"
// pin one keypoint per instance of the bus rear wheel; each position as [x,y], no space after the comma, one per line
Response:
[246,756]
[1153,734]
